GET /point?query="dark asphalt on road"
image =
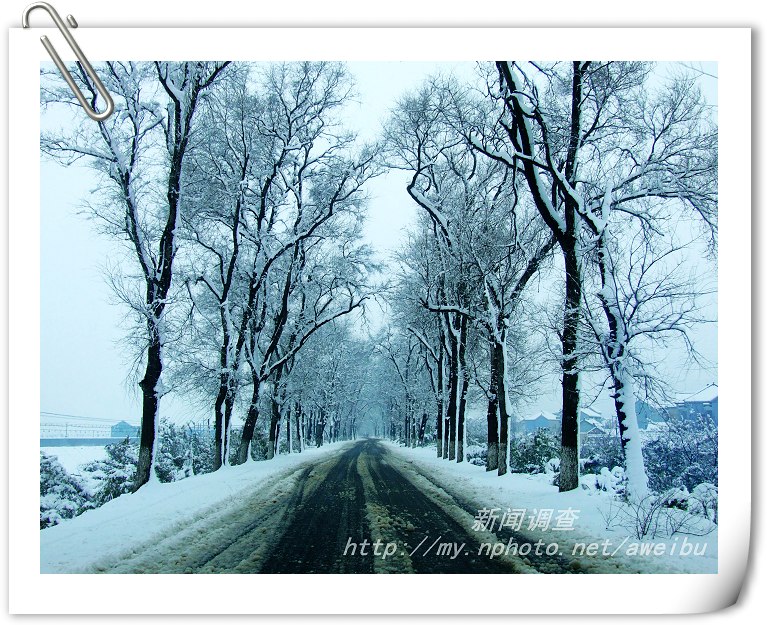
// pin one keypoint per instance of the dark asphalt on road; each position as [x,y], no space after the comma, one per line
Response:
[335,512]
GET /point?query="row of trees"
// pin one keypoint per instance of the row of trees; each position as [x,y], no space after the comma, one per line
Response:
[593,181]
[239,196]
[559,206]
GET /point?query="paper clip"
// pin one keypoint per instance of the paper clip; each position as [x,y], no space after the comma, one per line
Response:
[110,105]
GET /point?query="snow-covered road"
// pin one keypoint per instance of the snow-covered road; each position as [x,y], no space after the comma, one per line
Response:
[357,507]
[353,511]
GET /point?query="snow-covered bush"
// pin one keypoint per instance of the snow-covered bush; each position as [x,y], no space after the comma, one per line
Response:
[611,511]
[185,452]
[202,451]
[259,446]
[531,453]
[174,460]
[677,498]
[704,500]
[683,453]
[115,473]
[476,454]
[665,515]
[613,482]
[643,518]
[600,451]
[62,496]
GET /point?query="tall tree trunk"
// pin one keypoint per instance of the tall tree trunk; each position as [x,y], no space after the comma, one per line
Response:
[625,408]
[219,430]
[274,424]
[299,425]
[569,461]
[249,428]
[150,412]
[452,405]
[406,432]
[503,407]
[492,410]
[623,382]
[319,430]
[311,426]
[288,431]
[156,295]
[278,431]
[440,398]
[422,429]
[464,382]
[158,285]
[222,430]
[524,141]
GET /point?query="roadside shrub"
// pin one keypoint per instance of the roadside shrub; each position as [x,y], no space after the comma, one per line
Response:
[62,496]
[664,515]
[704,500]
[202,452]
[599,452]
[683,453]
[476,454]
[532,452]
[115,474]
[174,458]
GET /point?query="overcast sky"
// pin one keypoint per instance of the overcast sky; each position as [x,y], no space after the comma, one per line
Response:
[84,368]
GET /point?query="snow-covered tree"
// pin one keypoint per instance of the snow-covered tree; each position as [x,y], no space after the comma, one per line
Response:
[275,181]
[141,195]
[592,142]
[485,244]
[421,141]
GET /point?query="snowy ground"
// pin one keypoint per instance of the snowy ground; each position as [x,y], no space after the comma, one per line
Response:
[99,539]
[595,509]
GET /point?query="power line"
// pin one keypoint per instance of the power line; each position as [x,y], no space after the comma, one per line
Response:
[60,415]
[59,424]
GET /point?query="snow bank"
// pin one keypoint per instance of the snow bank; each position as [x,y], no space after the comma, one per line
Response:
[131,522]
[597,518]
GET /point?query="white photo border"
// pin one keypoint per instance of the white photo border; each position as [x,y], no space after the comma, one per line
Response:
[32,592]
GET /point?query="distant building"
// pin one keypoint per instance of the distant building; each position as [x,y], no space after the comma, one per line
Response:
[596,428]
[123,429]
[591,423]
[594,425]
[703,403]
[647,415]
[538,421]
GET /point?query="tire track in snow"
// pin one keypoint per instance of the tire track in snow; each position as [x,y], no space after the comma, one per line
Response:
[236,537]
[417,515]
[323,519]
